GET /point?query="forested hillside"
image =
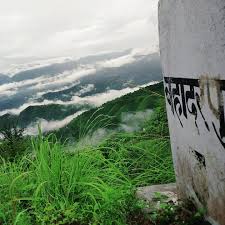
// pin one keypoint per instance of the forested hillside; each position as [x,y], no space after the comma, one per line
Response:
[109,115]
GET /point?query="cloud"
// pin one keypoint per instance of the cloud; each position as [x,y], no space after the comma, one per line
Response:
[95,138]
[131,122]
[53,90]
[17,111]
[17,68]
[126,59]
[46,83]
[69,78]
[47,126]
[16,85]
[86,89]
[65,78]
[99,99]
[95,100]
[32,31]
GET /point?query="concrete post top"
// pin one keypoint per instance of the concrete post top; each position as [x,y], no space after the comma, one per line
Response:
[195,29]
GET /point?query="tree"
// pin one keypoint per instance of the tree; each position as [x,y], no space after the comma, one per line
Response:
[13,142]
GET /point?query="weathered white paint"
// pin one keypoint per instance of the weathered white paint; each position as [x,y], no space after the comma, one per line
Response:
[192,45]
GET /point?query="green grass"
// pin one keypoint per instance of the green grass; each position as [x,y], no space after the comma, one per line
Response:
[80,184]
[110,114]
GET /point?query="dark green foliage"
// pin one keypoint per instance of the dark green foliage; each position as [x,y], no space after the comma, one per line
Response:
[158,123]
[109,114]
[184,213]
[47,112]
[13,143]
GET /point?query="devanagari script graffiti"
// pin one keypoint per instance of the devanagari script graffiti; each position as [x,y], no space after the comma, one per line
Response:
[186,97]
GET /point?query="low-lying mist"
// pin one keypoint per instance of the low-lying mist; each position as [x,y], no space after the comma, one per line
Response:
[47,126]
[130,122]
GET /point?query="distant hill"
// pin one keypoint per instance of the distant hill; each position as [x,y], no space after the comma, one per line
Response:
[87,76]
[145,69]
[55,91]
[109,115]
[58,68]
[4,79]
[50,70]
[47,112]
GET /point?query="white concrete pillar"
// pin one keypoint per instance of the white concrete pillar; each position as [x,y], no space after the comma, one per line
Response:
[192,48]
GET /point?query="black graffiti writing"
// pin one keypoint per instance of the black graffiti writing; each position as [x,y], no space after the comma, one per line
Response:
[183,97]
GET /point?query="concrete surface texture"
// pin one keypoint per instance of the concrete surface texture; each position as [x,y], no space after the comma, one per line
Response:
[192,48]
[149,193]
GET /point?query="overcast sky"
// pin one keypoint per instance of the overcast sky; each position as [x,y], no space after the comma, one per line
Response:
[41,29]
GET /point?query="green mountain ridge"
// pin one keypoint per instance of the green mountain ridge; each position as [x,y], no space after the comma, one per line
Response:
[47,112]
[109,115]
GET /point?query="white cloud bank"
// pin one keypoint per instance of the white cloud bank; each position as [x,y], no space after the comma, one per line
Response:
[65,79]
[133,121]
[126,59]
[130,122]
[47,126]
[95,100]
[44,84]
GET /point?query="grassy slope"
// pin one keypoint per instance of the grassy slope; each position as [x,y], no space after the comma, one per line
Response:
[109,114]
[92,185]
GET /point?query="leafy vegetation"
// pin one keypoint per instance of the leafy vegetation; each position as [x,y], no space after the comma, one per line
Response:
[80,184]
[109,115]
[166,211]
[14,144]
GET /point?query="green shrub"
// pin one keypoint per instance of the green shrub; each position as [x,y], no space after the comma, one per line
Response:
[13,143]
